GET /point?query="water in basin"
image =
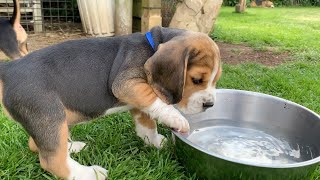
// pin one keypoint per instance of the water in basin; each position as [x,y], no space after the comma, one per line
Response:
[248,145]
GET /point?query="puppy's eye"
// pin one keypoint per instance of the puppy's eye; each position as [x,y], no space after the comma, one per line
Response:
[197,81]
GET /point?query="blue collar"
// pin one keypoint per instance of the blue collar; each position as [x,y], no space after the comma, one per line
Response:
[150,40]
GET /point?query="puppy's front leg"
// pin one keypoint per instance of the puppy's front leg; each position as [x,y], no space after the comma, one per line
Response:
[146,128]
[167,115]
[138,93]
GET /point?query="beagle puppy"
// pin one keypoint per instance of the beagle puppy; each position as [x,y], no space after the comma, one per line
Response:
[13,38]
[79,80]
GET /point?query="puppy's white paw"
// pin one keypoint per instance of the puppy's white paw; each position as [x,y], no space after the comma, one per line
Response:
[159,141]
[100,172]
[75,146]
[90,173]
[178,122]
[168,115]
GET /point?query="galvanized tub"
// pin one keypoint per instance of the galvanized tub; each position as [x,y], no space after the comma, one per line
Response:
[288,133]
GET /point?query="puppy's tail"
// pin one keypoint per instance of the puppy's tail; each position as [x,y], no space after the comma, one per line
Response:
[16,13]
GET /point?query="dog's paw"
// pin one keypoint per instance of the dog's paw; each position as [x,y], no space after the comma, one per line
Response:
[168,115]
[100,173]
[75,146]
[90,173]
[158,141]
[178,122]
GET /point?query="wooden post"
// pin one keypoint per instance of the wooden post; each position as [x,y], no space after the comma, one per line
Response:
[136,15]
[97,17]
[241,6]
[37,16]
[151,15]
[123,17]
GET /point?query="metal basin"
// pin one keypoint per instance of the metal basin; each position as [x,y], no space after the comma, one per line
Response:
[248,135]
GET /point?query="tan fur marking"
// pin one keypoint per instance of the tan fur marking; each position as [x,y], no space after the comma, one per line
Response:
[194,72]
[144,119]
[57,163]
[6,112]
[73,117]
[139,94]
[21,38]
[32,145]
[24,49]
[21,34]
[18,13]
[161,96]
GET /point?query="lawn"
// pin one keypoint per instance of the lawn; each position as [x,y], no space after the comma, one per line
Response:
[111,140]
[293,29]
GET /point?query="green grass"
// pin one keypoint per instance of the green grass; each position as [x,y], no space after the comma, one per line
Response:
[298,82]
[111,143]
[288,29]
[111,140]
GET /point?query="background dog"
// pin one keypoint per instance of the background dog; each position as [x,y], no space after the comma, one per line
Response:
[76,81]
[261,4]
[13,38]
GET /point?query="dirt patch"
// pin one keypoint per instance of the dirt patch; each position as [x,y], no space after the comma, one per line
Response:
[39,41]
[230,53]
[237,53]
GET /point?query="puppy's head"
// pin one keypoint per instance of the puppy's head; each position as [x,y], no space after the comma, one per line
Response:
[184,71]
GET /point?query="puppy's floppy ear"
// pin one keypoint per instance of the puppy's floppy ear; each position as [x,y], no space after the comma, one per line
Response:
[166,70]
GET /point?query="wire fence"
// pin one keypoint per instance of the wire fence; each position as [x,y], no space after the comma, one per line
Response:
[45,15]
[62,15]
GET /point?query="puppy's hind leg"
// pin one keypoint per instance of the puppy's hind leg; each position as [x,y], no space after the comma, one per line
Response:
[146,128]
[58,162]
[46,122]
[73,146]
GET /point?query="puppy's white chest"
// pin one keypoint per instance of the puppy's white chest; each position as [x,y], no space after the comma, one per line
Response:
[119,109]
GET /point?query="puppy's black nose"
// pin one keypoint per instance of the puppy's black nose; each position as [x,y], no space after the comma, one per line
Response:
[208,104]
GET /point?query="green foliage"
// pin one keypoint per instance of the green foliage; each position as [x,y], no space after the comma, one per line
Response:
[296,2]
[230,2]
[280,2]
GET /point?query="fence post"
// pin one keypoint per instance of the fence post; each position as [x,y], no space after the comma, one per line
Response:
[37,16]
[241,6]
[123,17]
[151,15]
